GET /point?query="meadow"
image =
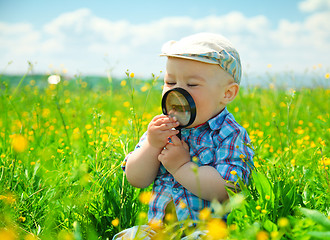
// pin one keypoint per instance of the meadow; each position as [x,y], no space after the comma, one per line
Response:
[62,145]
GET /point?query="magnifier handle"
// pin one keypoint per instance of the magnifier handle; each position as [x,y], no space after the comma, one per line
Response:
[179,134]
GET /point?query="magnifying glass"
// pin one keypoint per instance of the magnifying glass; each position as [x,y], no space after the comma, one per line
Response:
[178,103]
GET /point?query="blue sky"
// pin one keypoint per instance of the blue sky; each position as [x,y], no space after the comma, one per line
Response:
[91,37]
[38,11]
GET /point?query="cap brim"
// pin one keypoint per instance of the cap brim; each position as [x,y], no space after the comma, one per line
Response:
[194,58]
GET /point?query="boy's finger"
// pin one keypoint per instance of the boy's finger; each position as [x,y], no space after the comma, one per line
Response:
[167,126]
[175,140]
[157,117]
[163,120]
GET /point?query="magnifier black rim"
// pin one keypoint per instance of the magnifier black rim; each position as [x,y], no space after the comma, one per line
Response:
[190,101]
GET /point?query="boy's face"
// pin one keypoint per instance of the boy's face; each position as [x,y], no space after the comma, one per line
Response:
[205,82]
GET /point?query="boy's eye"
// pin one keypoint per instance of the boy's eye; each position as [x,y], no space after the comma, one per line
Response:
[171,83]
[191,85]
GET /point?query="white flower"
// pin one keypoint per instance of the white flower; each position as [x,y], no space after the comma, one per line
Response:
[54,79]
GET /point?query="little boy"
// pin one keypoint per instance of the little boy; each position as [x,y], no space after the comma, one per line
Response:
[208,67]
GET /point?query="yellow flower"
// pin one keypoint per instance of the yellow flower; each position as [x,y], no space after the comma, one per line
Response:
[262,235]
[217,229]
[115,222]
[258,208]
[246,125]
[88,126]
[307,137]
[131,75]
[233,172]
[195,159]
[126,104]
[233,227]
[144,89]
[145,197]
[236,109]
[169,217]
[32,82]
[30,236]
[9,199]
[283,222]
[242,156]
[325,161]
[105,137]
[22,219]
[155,224]
[322,142]
[19,143]
[327,75]
[267,197]
[313,145]
[33,163]
[84,84]
[204,214]
[7,234]
[264,211]
[65,235]
[123,83]
[143,215]
[182,205]
[45,112]
[274,234]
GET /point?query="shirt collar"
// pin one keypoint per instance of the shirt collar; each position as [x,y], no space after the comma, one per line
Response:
[216,122]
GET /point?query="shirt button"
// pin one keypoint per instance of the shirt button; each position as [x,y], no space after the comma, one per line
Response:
[175,190]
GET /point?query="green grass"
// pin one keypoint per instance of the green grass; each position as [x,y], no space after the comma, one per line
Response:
[66,181]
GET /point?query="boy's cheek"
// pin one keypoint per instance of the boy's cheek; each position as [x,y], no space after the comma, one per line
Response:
[165,89]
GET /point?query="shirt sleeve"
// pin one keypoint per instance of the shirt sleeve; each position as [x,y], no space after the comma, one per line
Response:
[142,139]
[235,156]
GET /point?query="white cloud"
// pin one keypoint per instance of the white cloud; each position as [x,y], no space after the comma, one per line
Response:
[314,5]
[80,40]
[20,38]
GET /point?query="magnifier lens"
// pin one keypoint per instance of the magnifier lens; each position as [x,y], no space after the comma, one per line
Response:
[177,106]
[179,103]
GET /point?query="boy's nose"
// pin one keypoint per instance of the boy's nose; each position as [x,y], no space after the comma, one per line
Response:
[178,85]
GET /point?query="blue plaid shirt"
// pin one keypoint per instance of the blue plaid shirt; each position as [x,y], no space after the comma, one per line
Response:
[220,143]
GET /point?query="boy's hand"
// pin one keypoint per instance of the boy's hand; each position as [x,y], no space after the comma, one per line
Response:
[174,155]
[160,129]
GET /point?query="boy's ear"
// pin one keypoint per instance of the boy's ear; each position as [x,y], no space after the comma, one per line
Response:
[231,92]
